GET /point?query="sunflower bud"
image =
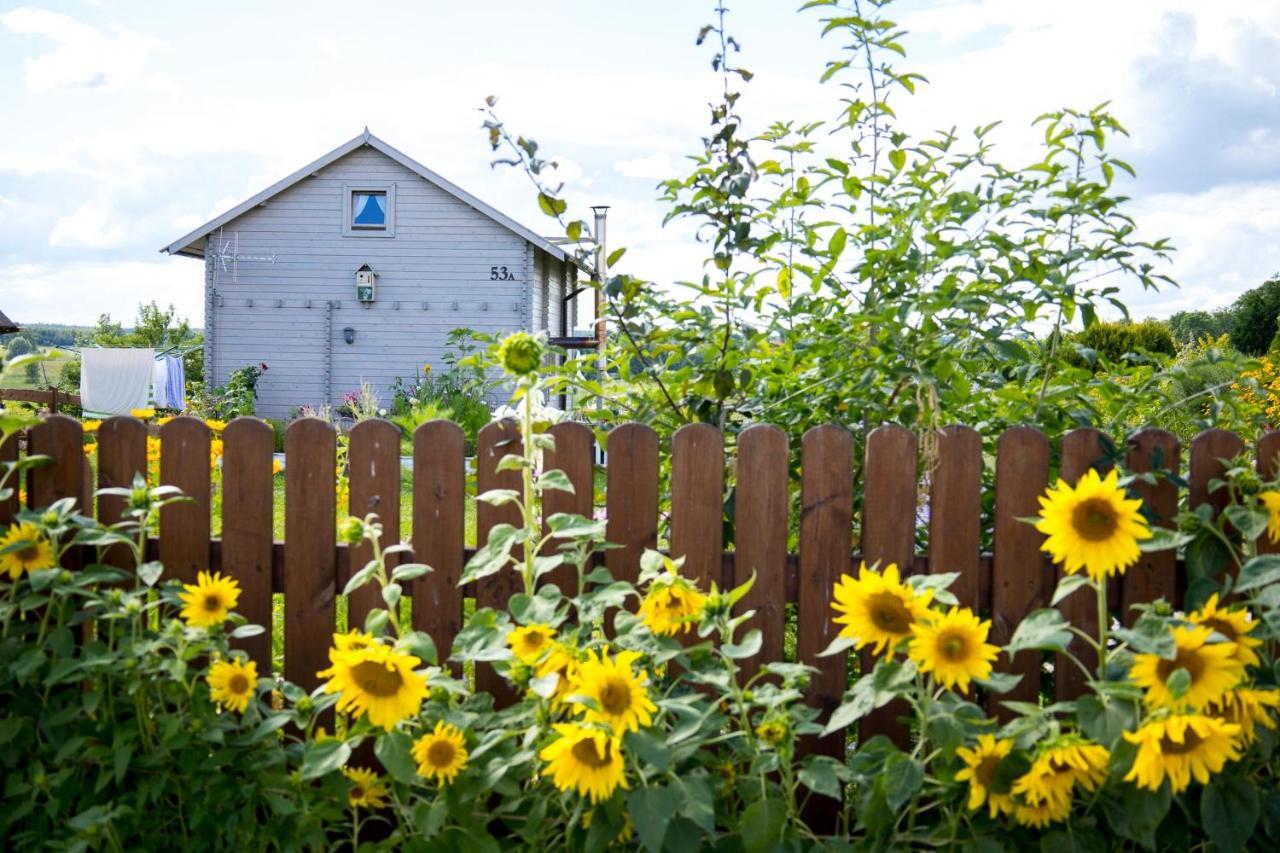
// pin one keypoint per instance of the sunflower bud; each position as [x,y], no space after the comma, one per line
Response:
[351,530]
[521,353]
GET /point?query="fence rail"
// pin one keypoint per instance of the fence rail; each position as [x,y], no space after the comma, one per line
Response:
[47,398]
[310,568]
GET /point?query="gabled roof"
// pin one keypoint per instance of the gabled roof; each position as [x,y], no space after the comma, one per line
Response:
[192,244]
[7,325]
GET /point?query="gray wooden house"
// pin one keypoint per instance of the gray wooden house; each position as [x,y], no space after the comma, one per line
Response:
[356,267]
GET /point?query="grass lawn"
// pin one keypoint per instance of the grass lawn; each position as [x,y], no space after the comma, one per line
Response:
[47,373]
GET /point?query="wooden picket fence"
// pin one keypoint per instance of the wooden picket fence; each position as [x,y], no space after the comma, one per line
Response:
[310,568]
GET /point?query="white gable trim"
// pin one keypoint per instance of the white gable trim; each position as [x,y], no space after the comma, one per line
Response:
[191,244]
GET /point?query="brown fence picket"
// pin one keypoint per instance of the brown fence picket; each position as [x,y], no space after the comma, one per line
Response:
[1209,452]
[310,573]
[247,526]
[1269,468]
[9,506]
[574,454]
[632,498]
[439,529]
[888,537]
[62,439]
[122,455]
[1021,580]
[184,525]
[1081,450]
[373,463]
[493,443]
[826,542]
[955,516]
[761,524]
[697,502]
[1155,575]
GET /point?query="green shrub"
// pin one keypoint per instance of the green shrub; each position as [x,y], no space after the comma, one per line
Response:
[1253,318]
[1121,341]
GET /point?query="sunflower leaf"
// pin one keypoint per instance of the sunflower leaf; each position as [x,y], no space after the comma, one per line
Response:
[1068,585]
[1261,571]
[1044,630]
[395,751]
[323,757]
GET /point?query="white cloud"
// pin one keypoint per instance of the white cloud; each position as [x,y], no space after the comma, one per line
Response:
[92,226]
[657,166]
[73,292]
[85,58]
[1228,239]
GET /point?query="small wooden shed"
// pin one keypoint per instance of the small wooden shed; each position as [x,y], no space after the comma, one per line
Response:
[356,267]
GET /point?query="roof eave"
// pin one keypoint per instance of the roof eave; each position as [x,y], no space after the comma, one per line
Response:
[184,245]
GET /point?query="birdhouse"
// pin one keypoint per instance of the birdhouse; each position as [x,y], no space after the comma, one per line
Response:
[366,284]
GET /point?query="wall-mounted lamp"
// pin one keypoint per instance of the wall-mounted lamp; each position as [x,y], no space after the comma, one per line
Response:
[349,335]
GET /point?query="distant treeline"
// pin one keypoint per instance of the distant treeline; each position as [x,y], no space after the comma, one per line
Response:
[51,334]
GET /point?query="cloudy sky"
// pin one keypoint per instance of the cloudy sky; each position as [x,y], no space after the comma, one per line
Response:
[129,123]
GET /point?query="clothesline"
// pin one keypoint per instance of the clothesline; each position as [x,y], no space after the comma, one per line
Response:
[118,380]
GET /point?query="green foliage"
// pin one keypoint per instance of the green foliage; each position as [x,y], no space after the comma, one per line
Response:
[856,274]
[110,739]
[238,397]
[50,334]
[1254,318]
[461,391]
[1187,327]
[1122,341]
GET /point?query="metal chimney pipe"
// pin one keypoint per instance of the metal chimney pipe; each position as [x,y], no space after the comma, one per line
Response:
[602,271]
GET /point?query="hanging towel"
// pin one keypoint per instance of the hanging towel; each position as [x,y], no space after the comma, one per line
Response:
[160,384]
[113,381]
[176,385]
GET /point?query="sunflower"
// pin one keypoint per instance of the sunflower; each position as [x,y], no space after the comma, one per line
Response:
[562,663]
[216,426]
[1271,500]
[877,609]
[953,647]
[366,788]
[981,764]
[1181,746]
[441,754]
[585,760]
[773,730]
[671,608]
[208,601]
[1248,708]
[618,694]
[1042,814]
[530,642]
[91,426]
[352,640]
[232,682]
[1234,624]
[1214,669]
[143,414]
[1058,768]
[378,681]
[1093,526]
[24,549]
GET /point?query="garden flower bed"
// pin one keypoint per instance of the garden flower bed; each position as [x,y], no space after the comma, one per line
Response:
[597,711]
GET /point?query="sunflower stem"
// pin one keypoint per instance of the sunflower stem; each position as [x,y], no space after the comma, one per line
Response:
[1101,586]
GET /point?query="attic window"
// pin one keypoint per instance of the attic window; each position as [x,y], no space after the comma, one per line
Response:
[369,210]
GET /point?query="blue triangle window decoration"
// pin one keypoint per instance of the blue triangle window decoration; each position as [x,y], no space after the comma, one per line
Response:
[369,209]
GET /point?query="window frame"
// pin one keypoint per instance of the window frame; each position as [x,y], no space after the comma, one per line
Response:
[348,194]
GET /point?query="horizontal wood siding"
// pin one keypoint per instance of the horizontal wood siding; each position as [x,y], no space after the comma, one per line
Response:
[433,277]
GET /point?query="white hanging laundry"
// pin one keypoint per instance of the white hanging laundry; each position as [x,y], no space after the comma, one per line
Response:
[160,384]
[114,381]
